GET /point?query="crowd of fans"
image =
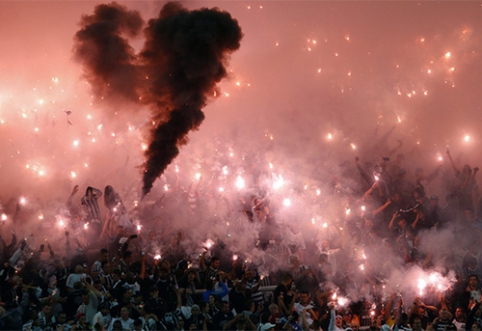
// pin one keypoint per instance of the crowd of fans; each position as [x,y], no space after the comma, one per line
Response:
[119,273]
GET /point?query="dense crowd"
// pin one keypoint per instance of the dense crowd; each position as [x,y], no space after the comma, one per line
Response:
[206,258]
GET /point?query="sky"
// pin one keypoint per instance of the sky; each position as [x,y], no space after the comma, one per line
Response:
[315,82]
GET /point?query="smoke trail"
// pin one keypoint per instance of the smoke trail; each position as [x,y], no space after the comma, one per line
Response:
[107,58]
[185,53]
[183,58]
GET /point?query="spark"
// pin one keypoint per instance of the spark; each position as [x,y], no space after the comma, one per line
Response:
[221,189]
[399,119]
[166,187]
[318,192]
[73,174]
[467,138]
[363,208]
[198,175]
[325,225]
[75,143]
[157,257]
[353,146]
[235,257]
[286,202]
[278,182]
[448,55]
[329,136]
[40,217]
[225,170]
[86,226]
[4,217]
[239,182]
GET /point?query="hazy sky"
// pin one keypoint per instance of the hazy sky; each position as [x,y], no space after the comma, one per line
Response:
[305,69]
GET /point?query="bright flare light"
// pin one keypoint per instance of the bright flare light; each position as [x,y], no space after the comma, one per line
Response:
[467,138]
[239,183]
[286,202]
[4,217]
[278,182]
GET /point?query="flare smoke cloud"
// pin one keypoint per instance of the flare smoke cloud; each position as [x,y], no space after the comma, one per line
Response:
[183,57]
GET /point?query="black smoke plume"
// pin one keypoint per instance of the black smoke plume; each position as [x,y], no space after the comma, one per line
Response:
[183,57]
